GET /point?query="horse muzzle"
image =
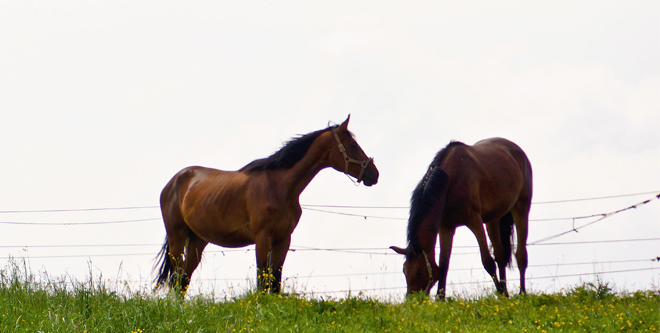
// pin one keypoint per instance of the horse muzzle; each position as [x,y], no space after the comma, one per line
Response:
[370,178]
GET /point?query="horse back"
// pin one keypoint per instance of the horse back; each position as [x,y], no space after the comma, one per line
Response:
[488,177]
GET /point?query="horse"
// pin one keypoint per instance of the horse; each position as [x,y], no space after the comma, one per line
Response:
[258,204]
[488,183]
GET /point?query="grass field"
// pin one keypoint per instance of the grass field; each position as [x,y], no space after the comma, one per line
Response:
[27,305]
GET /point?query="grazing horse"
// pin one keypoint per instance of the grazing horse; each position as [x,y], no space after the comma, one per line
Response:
[257,204]
[489,182]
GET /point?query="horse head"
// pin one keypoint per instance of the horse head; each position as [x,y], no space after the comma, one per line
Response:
[420,271]
[350,158]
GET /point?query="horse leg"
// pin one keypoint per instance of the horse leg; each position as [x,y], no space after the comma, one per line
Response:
[177,243]
[177,235]
[194,250]
[279,251]
[264,250]
[476,226]
[185,251]
[446,241]
[520,217]
[493,228]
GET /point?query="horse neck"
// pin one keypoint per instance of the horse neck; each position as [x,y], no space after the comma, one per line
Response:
[427,233]
[296,179]
[427,236]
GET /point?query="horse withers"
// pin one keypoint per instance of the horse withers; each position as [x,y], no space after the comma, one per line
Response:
[488,183]
[257,204]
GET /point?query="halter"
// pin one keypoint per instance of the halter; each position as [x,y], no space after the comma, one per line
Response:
[428,268]
[363,164]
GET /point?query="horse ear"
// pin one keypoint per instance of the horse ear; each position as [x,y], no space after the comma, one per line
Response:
[398,249]
[344,125]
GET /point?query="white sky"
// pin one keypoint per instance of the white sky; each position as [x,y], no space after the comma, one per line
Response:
[102,102]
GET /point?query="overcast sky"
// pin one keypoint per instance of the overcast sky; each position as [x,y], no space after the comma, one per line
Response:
[102,102]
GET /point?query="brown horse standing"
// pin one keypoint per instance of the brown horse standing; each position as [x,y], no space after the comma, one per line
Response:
[491,183]
[257,204]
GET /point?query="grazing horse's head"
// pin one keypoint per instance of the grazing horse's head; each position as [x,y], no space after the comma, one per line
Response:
[349,157]
[421,272]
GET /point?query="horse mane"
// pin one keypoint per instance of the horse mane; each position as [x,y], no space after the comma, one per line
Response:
[291,153]
[426,194]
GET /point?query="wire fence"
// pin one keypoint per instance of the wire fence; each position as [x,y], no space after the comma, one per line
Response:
[312,206]
[599,216]
[651,261]
[594,268]
[355,250]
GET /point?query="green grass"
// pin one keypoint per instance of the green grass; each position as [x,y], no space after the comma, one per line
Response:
[28,305]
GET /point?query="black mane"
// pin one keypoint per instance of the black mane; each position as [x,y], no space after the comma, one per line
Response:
[292,152]
[426,194]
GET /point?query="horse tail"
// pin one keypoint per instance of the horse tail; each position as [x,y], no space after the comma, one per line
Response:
[166,268]
[506,235]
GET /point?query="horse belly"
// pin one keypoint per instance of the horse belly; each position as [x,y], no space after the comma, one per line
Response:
[223,232]
[236,239]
